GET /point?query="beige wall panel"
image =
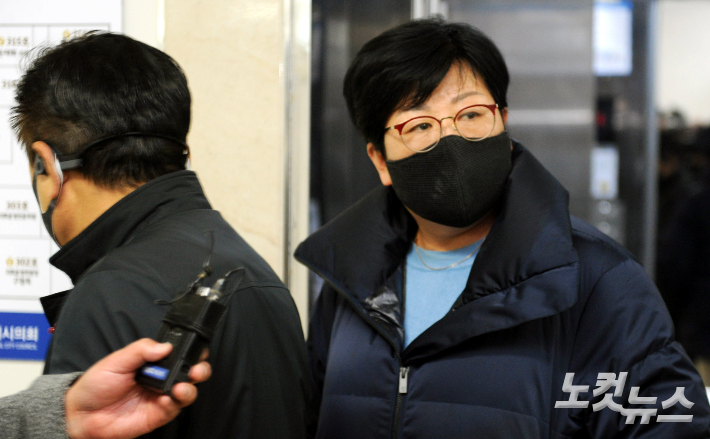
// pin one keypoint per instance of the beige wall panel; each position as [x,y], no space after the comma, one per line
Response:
[232,53]
[683,59]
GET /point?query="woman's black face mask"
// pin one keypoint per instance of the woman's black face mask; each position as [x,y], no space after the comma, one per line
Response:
[456,183]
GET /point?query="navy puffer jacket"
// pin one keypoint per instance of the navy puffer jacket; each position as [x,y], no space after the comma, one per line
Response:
[547,295]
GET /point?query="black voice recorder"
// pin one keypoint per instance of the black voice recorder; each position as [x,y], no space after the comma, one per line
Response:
[189,326]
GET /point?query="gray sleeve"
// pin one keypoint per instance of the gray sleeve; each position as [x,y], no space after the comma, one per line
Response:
[37,412]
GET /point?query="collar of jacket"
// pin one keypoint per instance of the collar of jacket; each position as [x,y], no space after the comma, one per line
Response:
[526,268]
[166,195]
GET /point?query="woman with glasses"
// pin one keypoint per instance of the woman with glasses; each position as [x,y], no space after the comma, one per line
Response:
[460,298]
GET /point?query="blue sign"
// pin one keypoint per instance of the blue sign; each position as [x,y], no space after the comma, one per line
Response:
[23,336]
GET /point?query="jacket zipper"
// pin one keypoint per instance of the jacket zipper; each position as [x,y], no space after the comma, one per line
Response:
[401,391]
[403,371]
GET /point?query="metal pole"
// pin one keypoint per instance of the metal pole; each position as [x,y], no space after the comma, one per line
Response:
[650,214]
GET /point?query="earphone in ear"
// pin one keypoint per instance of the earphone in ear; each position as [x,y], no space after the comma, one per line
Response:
[40,169]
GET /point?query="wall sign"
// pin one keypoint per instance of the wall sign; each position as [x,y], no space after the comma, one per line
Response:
[25,247]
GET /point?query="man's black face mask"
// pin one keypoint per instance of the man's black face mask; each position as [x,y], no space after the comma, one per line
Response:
[39,169]
[456,183]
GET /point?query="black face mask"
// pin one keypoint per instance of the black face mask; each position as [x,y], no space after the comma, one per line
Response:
[456,183]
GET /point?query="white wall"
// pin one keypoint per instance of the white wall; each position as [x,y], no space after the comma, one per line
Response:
[683,62]
[144,20]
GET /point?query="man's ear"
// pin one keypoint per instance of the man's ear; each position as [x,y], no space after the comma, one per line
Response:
[188,162]
[380,164]
[504,114]
[48,184]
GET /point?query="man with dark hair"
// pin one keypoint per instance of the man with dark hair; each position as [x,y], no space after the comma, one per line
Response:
[461,300]
[104,120]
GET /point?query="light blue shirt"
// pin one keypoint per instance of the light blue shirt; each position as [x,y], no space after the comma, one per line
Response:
[429,294]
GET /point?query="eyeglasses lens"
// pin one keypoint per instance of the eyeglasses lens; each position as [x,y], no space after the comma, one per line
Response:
[423,133]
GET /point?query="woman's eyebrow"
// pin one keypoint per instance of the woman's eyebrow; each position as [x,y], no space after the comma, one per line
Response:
[461,97]
[424,107]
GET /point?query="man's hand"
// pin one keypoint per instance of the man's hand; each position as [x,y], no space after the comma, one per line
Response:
[106,402]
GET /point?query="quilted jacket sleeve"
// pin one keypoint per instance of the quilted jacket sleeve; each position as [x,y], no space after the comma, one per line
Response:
[625,327]
[319,333]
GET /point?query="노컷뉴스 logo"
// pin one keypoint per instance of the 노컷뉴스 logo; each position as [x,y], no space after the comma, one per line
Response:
[605,381]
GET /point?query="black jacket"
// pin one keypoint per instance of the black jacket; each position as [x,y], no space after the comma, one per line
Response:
[546,296]
[149,246]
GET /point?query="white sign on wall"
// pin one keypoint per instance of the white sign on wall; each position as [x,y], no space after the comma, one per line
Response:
[25,247]
[613,37]
[604,163]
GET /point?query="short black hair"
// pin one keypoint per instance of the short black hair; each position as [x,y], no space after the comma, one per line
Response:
[402,67]
[100,85]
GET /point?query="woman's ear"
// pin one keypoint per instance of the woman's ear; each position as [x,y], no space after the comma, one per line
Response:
[380,164]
